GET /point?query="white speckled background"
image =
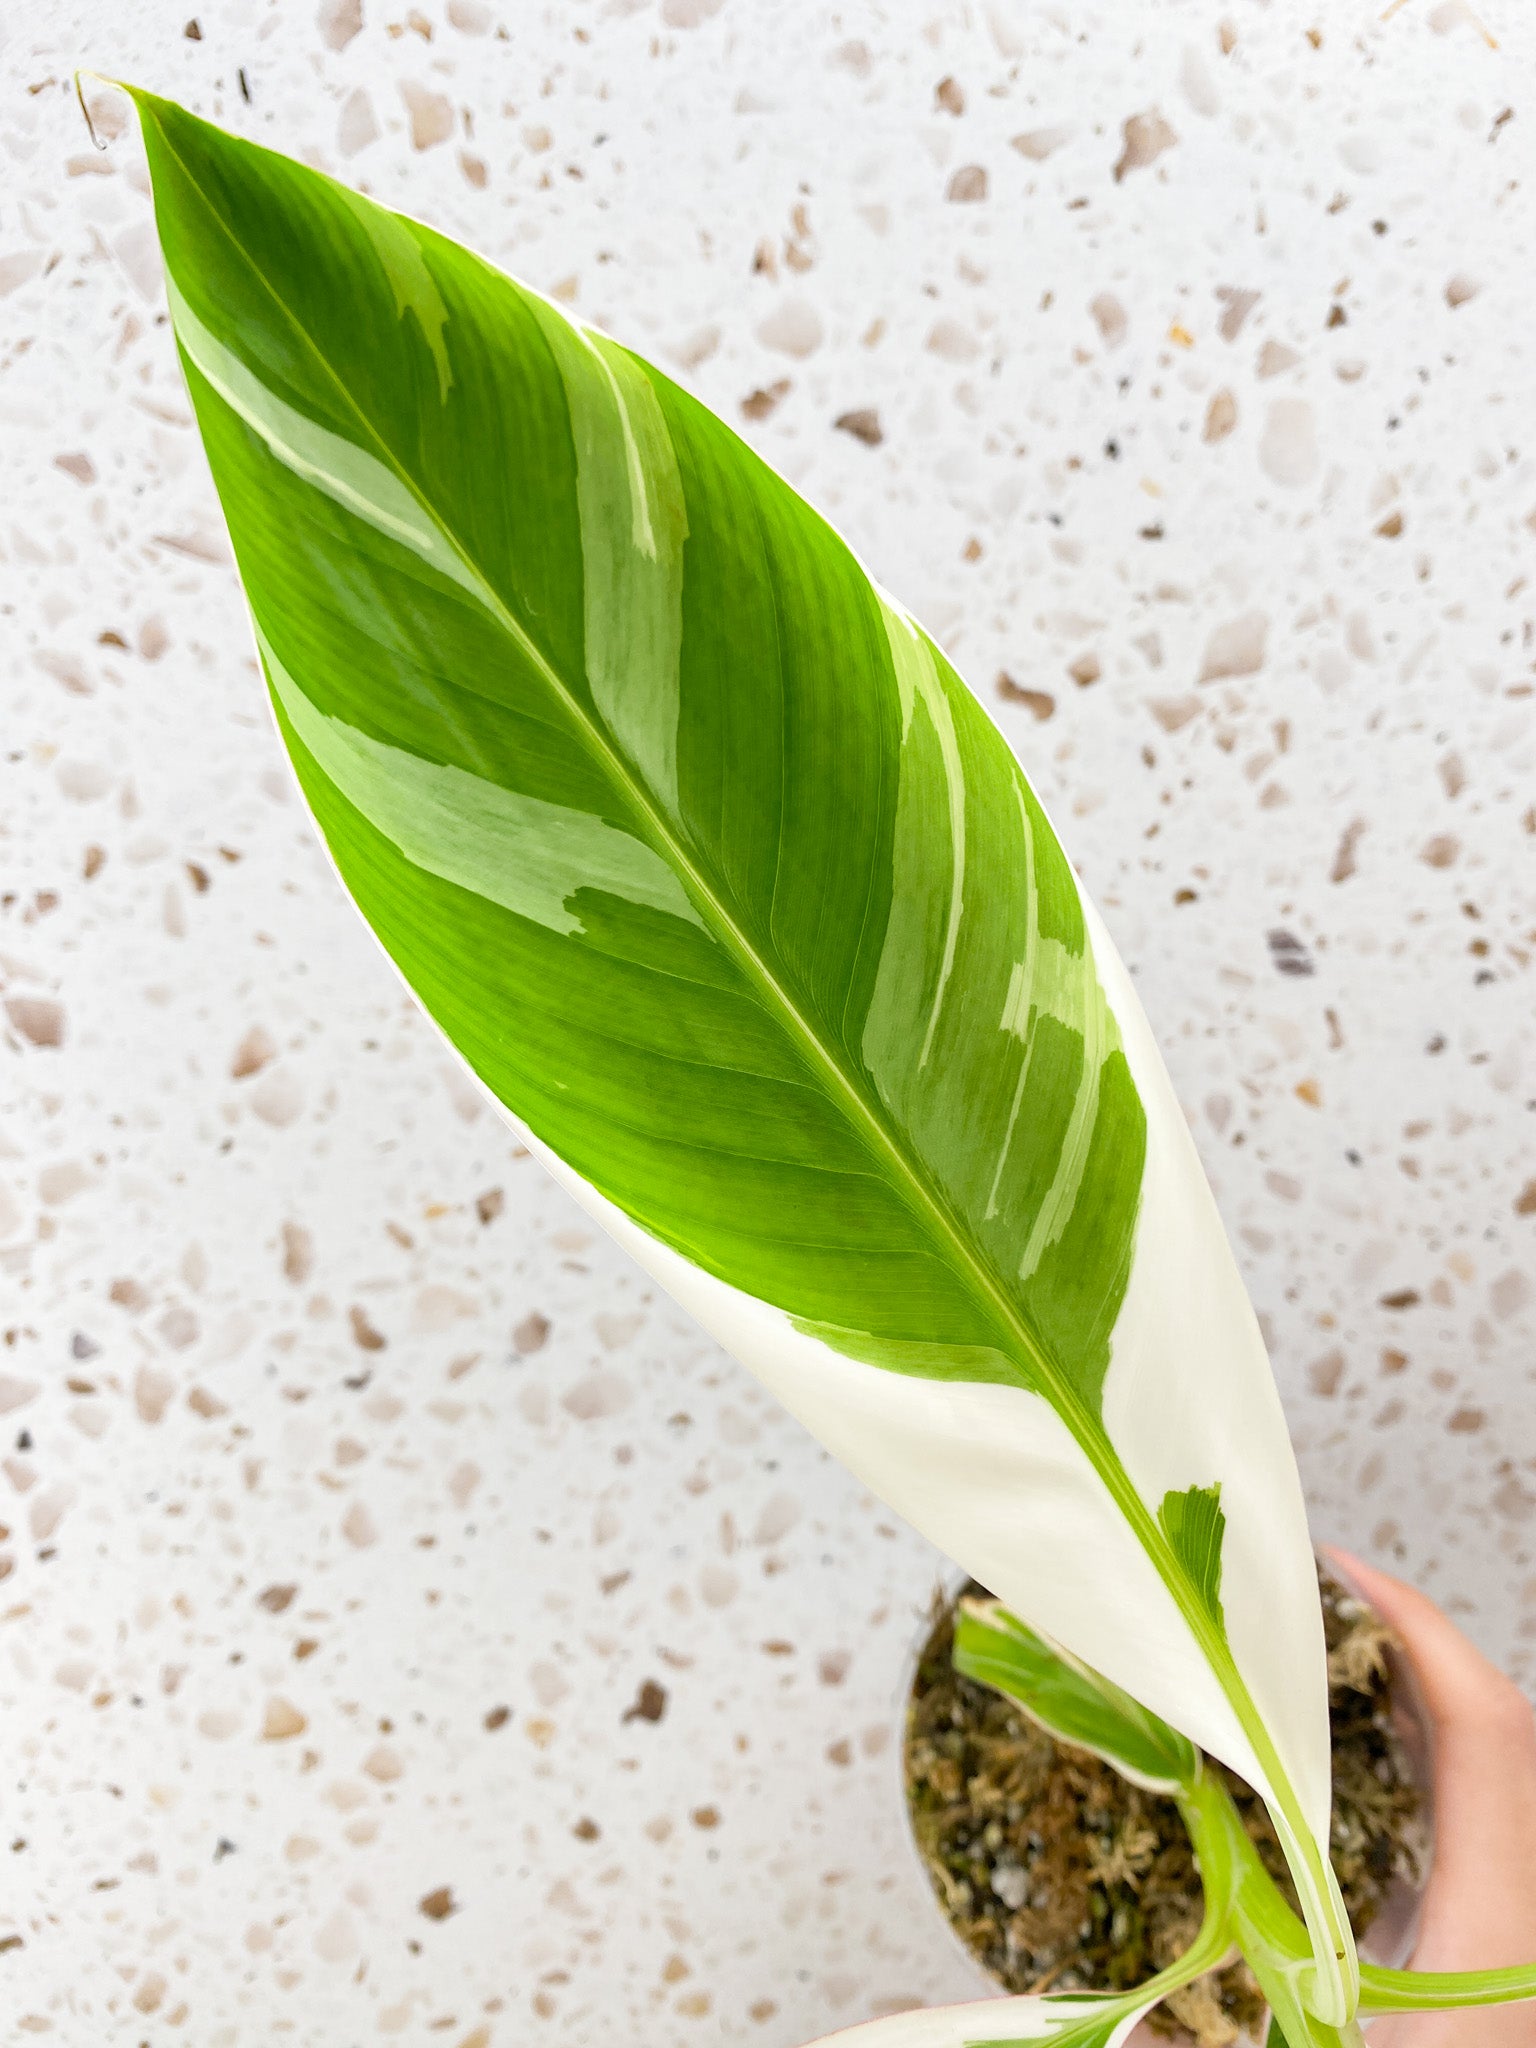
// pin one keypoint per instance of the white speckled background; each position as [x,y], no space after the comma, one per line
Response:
[354,1490]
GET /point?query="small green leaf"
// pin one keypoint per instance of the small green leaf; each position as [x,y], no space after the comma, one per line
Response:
[1065,1697]
[1195,1525]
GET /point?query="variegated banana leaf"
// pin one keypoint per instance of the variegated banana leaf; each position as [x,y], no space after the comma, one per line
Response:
[701,853]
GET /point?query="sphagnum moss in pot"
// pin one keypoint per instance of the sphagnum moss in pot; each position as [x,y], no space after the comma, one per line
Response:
[1053,1870]
[698,849]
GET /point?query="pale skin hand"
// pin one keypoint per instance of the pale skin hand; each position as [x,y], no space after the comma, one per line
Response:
[1480,1912]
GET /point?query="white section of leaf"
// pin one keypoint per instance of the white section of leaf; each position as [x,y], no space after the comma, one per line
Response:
[1022,2021]
[1189,1399]
[989,1473]
[633,525]
[917,678]
[527,855]
[335,465]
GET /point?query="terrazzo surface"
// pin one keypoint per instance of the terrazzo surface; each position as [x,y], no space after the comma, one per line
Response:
[411,1626]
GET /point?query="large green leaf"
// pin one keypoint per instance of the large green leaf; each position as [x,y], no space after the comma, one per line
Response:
[697,848]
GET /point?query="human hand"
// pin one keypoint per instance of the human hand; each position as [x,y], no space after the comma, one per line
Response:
[1480,1910]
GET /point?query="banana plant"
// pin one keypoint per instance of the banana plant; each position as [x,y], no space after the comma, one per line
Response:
[702,855]
[1244,1912]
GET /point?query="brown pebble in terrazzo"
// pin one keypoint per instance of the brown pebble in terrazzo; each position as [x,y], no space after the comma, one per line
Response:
[1525,1201]
[1109,316]
[1220,416]
[1400,1298]
[1040,702]
[276,1599]
[757,405]
[948,96]
[1146,136]
[1235,649]
[1325,1374]
[1289,955]
[1039,143]
[431,115]
[1344,856]
[490,1205]
[1174,713]
[968,185]
[1275,358]
[586,1830]
[705,1817]
[650,1703]
[598,1396]
[1236,305]
[255,1051]
[437,1905]
[863,423]
[39,1019]
[298,1253]
[282,1721]
[364,1335]
[531,1334]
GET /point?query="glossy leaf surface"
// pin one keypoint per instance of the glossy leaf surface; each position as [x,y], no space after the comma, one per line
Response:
[1068,1700]
[700,852]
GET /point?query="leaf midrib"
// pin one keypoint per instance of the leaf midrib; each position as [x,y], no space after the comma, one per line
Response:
[920,1195]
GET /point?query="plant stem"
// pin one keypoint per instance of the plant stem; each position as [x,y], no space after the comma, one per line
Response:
[1274,1943]
[1439,1990]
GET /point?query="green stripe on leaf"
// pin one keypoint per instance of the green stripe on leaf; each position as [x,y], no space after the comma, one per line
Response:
[1194,1524]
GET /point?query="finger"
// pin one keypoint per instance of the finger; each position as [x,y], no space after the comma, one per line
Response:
[1462,1689]
[1480,1910]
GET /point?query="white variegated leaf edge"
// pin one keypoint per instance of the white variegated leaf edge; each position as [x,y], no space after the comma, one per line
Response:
[1025,2021]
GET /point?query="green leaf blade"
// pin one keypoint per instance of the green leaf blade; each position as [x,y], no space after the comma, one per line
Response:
[1194,1524]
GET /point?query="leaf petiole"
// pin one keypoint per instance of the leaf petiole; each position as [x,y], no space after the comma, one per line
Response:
[1441,1990]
